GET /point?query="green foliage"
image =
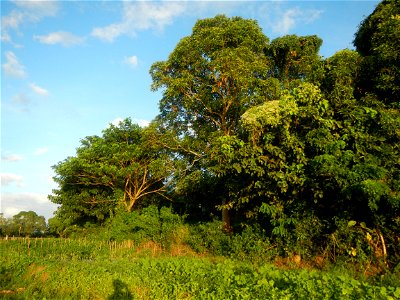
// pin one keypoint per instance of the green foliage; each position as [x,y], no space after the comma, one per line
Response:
[124,166]
[25,223]
[377,40]
[250,244]
[209,80]
[161,226]
[209,237]
[341,71]
[213,75]
[294,57]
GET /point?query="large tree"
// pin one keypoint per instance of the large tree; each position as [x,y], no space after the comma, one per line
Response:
[126,164]
[317,153]
[209,80]
[378,42]
[213,76]
[25,223]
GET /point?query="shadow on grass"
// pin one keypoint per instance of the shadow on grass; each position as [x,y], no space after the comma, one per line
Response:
[121,291]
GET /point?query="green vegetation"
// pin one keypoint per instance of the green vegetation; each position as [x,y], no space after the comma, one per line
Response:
[25,223]
[263,152]
[86,269]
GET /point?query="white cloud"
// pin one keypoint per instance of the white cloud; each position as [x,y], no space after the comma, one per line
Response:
[138,16]
[291,17]
[41,151]
[39,90]
[38,8]
[27,11]
[117,121]
[10,178]
[131,61]
[60,37]
[140,122]
[11,211]
[22,103]
[13,203]
[11,157]
[109,33]
[12,66]
[21,99]
[287,21]
[13,20]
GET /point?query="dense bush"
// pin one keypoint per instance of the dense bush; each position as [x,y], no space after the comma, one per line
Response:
[159,225]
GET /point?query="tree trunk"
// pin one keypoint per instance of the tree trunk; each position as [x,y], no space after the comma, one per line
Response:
[226,218]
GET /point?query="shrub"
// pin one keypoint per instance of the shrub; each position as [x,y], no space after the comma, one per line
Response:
[149,224]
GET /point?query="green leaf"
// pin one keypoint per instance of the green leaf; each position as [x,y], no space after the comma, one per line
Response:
[351,223]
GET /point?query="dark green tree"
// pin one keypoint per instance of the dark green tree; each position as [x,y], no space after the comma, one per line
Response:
[28,223]
[378,42]
[294,58]
[209,80]
[272,159]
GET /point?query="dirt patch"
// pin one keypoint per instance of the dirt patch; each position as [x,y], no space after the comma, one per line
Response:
[5,292]
[10,292]
[38,272]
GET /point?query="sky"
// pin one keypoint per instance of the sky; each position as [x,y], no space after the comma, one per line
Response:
[70,68]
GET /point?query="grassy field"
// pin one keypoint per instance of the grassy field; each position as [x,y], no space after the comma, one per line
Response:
[84,269]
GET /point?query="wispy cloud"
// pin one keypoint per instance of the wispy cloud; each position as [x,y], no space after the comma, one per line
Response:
[29,11]
[138,16]
[11,157]
[38,9]
[11,21]
[21,99]
[41,151]
[12,66]
[11,178]
[292,17]
[39,90]
[21,103]
[131,61]
[64,38]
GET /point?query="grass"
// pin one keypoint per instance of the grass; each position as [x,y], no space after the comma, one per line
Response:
[86,269]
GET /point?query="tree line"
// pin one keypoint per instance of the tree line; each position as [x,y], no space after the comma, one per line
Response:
[25,223]
[258,133]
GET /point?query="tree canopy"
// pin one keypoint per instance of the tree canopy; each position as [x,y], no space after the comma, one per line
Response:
[378,41]
[25,223]
[126,164]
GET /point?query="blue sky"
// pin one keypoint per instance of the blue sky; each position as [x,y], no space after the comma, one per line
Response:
[69,68]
